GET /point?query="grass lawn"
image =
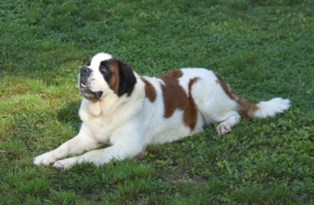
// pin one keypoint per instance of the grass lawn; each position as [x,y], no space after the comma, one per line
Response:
[263,48]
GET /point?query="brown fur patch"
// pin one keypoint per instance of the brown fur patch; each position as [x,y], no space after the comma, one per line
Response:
[149,90]
[127,79]
[190,114]
[228,90]
[247,108]
[115,78]
[120,77]
[175,98]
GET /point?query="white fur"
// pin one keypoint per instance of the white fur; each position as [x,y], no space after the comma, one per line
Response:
[272,107]
[130,123]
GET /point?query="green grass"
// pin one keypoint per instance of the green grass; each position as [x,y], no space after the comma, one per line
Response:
[262,48]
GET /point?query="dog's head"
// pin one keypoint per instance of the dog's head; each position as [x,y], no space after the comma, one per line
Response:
[104,75]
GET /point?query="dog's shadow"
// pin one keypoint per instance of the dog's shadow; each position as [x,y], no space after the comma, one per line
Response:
[68,114]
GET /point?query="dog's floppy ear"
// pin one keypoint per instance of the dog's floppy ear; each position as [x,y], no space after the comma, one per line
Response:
[127,79]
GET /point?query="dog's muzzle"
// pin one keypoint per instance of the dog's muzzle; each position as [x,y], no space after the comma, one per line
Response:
[84,75]
[84,85]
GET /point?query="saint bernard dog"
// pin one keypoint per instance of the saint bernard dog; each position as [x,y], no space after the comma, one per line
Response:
[130,112]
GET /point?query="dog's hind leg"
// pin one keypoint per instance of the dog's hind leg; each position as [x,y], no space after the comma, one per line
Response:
[226,125]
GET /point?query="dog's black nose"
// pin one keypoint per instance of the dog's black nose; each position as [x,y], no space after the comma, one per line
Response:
[85,71]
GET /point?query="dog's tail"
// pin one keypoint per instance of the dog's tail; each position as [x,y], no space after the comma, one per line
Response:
[263,109]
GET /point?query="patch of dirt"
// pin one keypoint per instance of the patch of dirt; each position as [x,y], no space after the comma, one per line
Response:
[181,177]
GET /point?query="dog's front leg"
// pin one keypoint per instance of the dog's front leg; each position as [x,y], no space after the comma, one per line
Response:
[102,156]
[76,145]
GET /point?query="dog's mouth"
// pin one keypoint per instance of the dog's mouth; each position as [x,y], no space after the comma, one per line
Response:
[87,93]
[83,85]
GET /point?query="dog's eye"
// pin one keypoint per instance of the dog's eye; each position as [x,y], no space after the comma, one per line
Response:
[103,69]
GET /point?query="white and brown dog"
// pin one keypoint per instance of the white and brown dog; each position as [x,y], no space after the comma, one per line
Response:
[130,112]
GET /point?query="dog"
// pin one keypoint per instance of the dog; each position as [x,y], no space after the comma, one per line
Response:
[130,112]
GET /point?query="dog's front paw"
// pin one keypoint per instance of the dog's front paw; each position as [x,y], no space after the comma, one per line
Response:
[65,164]
[44,159]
